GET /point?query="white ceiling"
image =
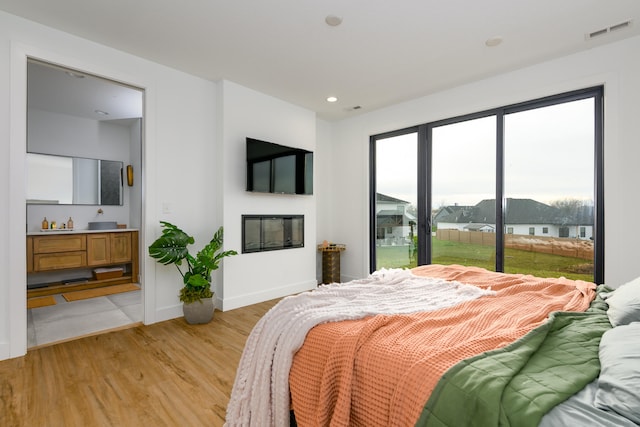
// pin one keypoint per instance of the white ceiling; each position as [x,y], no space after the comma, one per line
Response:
[65,91]
[384,51]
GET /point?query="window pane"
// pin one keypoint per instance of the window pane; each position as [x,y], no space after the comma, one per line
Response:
[396,184]
[463,170]
[549,176]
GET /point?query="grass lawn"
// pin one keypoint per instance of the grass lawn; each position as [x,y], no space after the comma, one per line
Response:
[516,261]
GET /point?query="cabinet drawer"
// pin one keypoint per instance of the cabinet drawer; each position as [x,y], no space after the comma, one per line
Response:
[59,261]
[53,244]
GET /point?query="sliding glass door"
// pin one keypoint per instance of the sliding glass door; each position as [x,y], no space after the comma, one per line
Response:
[549,190]
[463,183]
[395,161]
[515,189]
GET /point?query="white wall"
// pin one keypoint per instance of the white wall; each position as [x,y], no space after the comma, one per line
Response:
[325,181]
[255,277]
[180,132]
[617,66]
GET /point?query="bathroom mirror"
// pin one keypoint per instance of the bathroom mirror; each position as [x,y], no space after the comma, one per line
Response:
[64,180]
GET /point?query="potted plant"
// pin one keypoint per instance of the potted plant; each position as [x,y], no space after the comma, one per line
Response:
[196,294]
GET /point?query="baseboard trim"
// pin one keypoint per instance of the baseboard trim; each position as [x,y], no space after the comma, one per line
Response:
[256,297]
[168,313]
[5,351]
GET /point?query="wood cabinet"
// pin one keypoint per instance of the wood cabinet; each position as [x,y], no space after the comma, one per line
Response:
[98,249]
[58,252]
[73,251]
[120,247]
[108,248]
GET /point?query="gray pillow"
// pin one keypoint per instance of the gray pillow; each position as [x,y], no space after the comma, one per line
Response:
[624,304]
[619,381]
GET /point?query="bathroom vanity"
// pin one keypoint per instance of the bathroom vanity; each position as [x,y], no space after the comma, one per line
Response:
[54,255]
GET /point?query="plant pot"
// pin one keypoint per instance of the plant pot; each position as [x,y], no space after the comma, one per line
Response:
[198,312]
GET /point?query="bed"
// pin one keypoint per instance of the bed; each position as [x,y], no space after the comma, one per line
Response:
[444,346]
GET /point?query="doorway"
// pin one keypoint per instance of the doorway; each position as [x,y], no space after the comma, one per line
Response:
[84,122]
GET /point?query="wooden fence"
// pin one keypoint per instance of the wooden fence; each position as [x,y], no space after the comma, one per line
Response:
[576,248]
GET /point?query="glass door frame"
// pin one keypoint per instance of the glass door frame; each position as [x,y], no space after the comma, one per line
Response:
[424,248]
[373,188]
[424,158]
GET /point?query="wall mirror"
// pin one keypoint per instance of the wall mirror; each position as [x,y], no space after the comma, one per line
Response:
[61,180]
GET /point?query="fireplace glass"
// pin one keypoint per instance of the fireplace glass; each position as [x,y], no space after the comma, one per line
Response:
[272,232]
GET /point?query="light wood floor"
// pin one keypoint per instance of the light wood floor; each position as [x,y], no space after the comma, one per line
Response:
[166,374]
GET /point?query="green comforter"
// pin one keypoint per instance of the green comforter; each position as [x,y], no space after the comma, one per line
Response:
[518,384]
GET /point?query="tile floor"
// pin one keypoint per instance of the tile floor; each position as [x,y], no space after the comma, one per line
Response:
[67,320]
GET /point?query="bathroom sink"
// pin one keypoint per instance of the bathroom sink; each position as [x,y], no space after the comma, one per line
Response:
[103,225]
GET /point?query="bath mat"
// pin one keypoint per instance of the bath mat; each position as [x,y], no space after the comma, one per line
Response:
[37,302]
[100,292]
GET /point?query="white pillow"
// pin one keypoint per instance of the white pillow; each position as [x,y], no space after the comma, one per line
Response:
[624,304]
[619,380]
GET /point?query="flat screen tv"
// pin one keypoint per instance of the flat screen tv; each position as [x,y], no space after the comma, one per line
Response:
[275,168]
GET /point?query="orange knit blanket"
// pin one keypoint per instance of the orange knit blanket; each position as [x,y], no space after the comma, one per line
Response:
[260,394]
[380,371]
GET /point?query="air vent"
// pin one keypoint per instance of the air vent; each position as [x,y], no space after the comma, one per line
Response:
[607,30]
[620,26]
[598,33]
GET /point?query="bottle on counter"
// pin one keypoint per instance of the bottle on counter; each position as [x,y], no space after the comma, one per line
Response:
[70,224]
[45,223]
[53,225]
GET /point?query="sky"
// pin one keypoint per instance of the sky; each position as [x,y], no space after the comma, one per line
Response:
[549,155]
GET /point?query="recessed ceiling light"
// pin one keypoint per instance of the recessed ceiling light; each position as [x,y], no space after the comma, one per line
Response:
[333,20]
[332,99]
[493,41]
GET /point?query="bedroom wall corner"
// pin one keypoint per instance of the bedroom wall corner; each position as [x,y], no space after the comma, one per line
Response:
[324,185]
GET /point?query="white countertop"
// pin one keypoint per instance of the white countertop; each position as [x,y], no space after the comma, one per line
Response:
[58,231]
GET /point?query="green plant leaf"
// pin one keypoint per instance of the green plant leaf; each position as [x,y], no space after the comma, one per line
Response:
[197,281]
[172,248]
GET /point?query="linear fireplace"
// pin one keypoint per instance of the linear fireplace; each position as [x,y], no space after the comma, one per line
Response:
[272,232]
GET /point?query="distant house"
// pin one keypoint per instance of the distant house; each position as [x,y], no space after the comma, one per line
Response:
[445,211]
[486,228]
[522,216]
[394,225]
